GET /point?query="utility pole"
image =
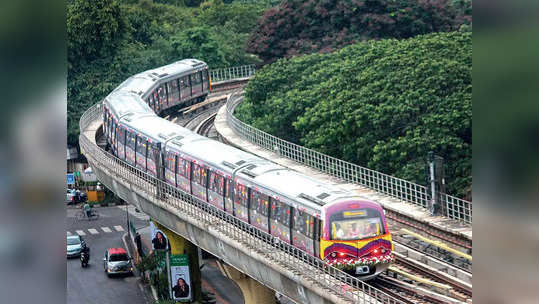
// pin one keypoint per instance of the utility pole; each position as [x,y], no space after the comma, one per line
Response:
[127,217]
[434,201]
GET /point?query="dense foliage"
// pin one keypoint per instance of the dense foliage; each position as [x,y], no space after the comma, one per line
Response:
[110,40]
[308,26]
[380,104]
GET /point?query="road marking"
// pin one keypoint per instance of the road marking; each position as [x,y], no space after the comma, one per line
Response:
[69,233]
[118,228]
[93,231]
[106,229]
[80,232]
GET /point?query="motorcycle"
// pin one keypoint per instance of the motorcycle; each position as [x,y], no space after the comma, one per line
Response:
[84,258]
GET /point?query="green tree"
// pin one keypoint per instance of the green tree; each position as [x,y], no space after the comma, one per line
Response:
[95,29]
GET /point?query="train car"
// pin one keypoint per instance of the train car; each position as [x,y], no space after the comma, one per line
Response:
[177,85]
[322,220]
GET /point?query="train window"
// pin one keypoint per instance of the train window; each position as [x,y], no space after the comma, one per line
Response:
[217,183]
[184,167]
[153,154]
[173,92]
[162,96]
[155,100]
[303,223]
[184,82]
[259,202]
[281,212]
[109,122]
[170,161]
[241,194]
[141,151]
[199,175]
[195,78]
[205,76]
[131,140]
[121,136]
[113,127]
[229,186]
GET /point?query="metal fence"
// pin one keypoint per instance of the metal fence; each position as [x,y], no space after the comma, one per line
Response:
[243,71]
[204,215]
[452,207]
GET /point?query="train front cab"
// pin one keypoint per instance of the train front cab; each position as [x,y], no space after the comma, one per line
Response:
[356,238]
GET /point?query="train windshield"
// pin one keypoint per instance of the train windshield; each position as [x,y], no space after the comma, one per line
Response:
[356,225]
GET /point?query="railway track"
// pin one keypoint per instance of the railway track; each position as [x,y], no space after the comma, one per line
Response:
[398,285]
[206,125]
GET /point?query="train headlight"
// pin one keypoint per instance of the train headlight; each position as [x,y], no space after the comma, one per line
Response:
[334,254]
[341,254]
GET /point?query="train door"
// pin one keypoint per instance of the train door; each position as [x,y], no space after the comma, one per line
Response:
[113,137]
[303,231]
[121,142]
[229,196]
[318,230]
[130,147]
[199,181]
[280,220]
[162,97]
[152,158]
[183,174]
[259,209]
[170,168]
[185,89]
[196,83]
[241,201]
[141,152]
[173,92]
[156,106]
[205,81]
[216,190]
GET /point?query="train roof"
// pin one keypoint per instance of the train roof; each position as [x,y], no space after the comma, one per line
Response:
[137,84]
[122,103]
[156,127]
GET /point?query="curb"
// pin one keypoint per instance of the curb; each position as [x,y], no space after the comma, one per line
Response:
[130,247]
[78,205]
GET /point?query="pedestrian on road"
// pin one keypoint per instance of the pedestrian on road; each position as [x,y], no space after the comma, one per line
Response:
[87,209]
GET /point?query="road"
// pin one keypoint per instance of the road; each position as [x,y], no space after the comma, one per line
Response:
[91,285]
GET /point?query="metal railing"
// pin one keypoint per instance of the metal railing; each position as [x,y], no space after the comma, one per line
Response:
[243,71]
[204,215]
[452,207]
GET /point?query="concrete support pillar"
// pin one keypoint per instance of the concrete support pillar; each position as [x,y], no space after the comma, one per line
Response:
[180,245]
[253,291]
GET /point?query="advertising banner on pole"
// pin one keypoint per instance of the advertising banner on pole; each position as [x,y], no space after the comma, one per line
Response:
[180,279]
[159,238]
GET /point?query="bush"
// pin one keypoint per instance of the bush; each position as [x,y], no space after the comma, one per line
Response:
[380,104]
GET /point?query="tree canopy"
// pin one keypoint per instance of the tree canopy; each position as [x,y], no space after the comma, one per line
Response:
[380,104]
[303,27]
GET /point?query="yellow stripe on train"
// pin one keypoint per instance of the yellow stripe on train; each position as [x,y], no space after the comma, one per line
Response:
[324,244]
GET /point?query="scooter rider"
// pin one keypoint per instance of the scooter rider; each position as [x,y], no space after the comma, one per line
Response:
[85,255]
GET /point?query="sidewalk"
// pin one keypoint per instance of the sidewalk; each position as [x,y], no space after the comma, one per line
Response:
[145,288]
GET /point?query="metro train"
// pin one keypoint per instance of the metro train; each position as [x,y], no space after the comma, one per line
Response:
[337,226]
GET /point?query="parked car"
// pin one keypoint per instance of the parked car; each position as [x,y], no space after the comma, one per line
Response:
[74,245]
[117,261]
[70,196]
[75,196]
